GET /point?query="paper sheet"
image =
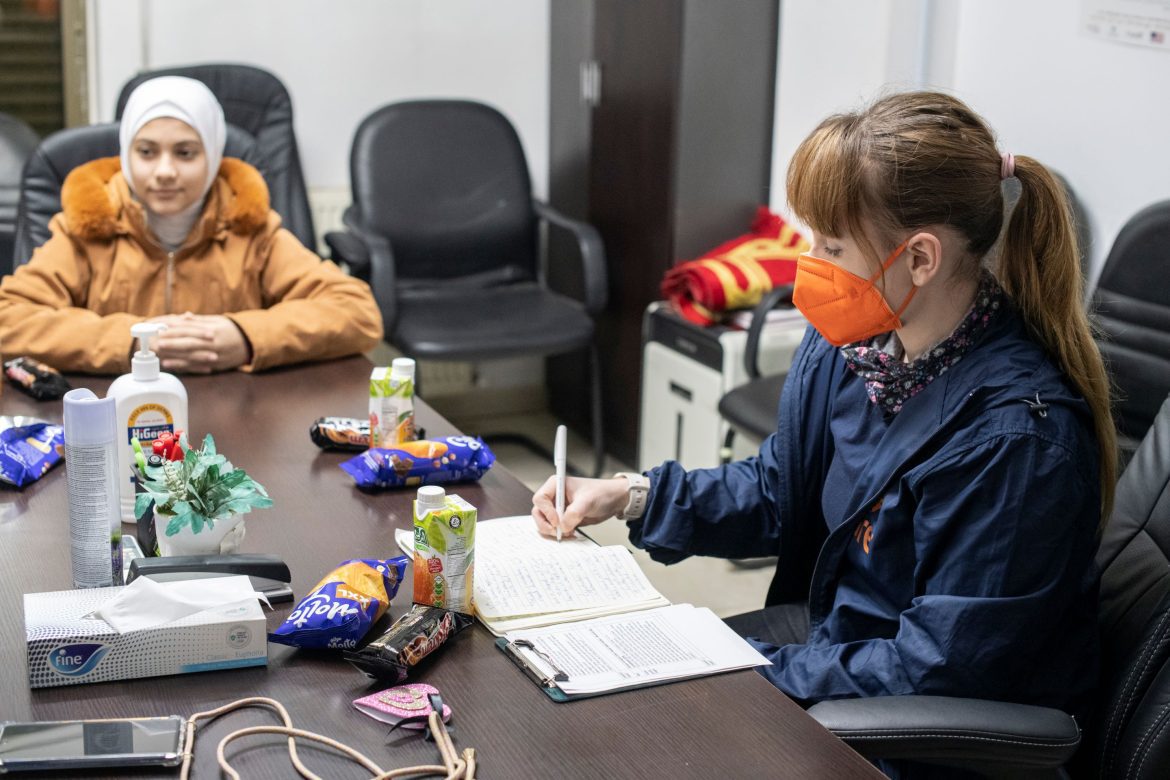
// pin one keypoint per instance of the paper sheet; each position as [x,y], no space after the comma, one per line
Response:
[624,651]
[518,572]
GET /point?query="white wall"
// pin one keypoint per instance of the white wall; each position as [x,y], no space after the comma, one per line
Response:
[341,60]
[1090,109]
[1093,110]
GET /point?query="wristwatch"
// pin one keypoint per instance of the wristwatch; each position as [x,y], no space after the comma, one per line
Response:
[639,489]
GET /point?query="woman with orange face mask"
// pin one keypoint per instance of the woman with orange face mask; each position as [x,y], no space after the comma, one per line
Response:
[174,232]
[945,454]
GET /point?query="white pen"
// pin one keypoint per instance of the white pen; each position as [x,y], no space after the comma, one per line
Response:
[559,462]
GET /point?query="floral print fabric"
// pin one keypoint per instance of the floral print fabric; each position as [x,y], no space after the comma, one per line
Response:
[890,381]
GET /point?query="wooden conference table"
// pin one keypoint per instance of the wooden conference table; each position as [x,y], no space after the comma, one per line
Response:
[733,725]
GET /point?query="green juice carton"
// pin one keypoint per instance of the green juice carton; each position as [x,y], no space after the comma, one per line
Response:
[444,549]
[392,404]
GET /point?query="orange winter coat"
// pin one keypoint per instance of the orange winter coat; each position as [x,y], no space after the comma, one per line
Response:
[102,270]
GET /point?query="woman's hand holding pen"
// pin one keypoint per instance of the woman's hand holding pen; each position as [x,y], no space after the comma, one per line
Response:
[587,502]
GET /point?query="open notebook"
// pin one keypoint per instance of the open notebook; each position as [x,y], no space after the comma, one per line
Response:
[582,620]
[523,580]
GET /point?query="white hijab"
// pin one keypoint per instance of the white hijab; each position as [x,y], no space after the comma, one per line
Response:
[189,101]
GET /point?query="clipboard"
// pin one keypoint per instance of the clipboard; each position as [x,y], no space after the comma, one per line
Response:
[706,646]
[548,683]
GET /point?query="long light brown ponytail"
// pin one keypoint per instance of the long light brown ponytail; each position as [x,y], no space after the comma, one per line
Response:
[1039,267]
[916,159]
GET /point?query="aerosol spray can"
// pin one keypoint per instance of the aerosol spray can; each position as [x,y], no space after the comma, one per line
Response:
[91,469]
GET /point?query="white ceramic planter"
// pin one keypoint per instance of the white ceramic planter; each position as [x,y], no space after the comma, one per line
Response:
[224,538]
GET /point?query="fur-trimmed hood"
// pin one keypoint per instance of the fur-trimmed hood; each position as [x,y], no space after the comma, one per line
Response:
[94,196]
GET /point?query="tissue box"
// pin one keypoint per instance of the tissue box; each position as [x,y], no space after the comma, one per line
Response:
[66,648]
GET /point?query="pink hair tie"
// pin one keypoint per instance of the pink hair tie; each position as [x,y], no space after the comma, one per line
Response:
[1007,168]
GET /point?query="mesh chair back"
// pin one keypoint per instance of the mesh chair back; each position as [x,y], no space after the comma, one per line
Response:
[60,153]
[256,101]
[1132,306]
[447,183]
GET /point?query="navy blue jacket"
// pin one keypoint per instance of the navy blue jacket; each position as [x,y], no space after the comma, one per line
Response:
[958,536]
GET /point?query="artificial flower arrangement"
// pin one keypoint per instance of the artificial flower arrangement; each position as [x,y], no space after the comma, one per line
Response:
[198,490]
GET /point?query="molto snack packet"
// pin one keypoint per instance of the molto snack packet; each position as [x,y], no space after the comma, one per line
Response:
[341,433]
[444,550]
[28,448]
[422,462]
[339,611]
[411,638]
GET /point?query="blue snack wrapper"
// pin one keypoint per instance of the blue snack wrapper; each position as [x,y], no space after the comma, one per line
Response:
[340,610]
[28,448]
[423,462]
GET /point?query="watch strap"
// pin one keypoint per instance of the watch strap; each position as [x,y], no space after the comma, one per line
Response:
[639,490]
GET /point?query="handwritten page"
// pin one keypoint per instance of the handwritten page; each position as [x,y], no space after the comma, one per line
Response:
[624,651]
[524,580]
[518,572]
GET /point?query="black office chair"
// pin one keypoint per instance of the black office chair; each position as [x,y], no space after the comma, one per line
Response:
[1131,305]
[1129,733]
[17,142]
[752,407]
[256,101]
[444,227]
[60,153]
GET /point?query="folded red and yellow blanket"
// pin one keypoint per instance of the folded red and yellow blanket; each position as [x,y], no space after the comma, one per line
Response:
[735,275]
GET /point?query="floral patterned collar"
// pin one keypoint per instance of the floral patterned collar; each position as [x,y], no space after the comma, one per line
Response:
[890,382]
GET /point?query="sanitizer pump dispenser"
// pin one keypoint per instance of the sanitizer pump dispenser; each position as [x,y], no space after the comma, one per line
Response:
[148,403]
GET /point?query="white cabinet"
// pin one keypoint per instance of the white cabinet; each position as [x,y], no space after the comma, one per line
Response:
[686,369]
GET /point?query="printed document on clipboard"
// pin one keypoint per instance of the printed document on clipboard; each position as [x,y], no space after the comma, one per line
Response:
[632,650]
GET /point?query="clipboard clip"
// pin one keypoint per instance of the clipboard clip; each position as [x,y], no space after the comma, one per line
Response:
[538,676]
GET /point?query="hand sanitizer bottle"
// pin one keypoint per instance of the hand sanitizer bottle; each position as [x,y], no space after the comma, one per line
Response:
[148,403]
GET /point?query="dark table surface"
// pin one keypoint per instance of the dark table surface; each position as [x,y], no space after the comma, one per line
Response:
[733,725]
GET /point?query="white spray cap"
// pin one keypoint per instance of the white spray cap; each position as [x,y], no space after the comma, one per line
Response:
[88,419]
[144,365]
[431,497]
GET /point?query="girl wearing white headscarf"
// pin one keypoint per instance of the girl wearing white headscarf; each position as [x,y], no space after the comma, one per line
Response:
[172,231]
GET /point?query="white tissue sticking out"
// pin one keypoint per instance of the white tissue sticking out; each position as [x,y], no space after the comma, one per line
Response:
[145,603]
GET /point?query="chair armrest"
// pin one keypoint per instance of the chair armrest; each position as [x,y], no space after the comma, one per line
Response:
[751,350]
[345,247]
[371,259]
[592,254]
[971,733]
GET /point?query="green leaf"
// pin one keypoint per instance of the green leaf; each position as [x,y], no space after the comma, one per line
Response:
[142,502]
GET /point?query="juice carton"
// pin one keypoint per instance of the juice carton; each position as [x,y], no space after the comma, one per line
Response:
[444,549]
[392,404]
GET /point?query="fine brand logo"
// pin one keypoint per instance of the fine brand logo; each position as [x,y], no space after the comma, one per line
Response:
[76,660]
[239,636]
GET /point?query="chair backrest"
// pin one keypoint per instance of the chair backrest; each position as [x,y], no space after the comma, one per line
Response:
[1132,307]
[17,142]
[447,183]
[1129,735]
[60,153]
[256,101]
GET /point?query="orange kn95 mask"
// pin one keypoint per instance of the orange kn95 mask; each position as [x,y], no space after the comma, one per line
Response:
[842,306]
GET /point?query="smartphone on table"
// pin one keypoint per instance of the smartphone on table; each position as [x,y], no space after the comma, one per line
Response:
[80,744]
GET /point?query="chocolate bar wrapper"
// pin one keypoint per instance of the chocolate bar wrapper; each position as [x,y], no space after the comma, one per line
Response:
[32,377]
[412,637]
[341,433]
